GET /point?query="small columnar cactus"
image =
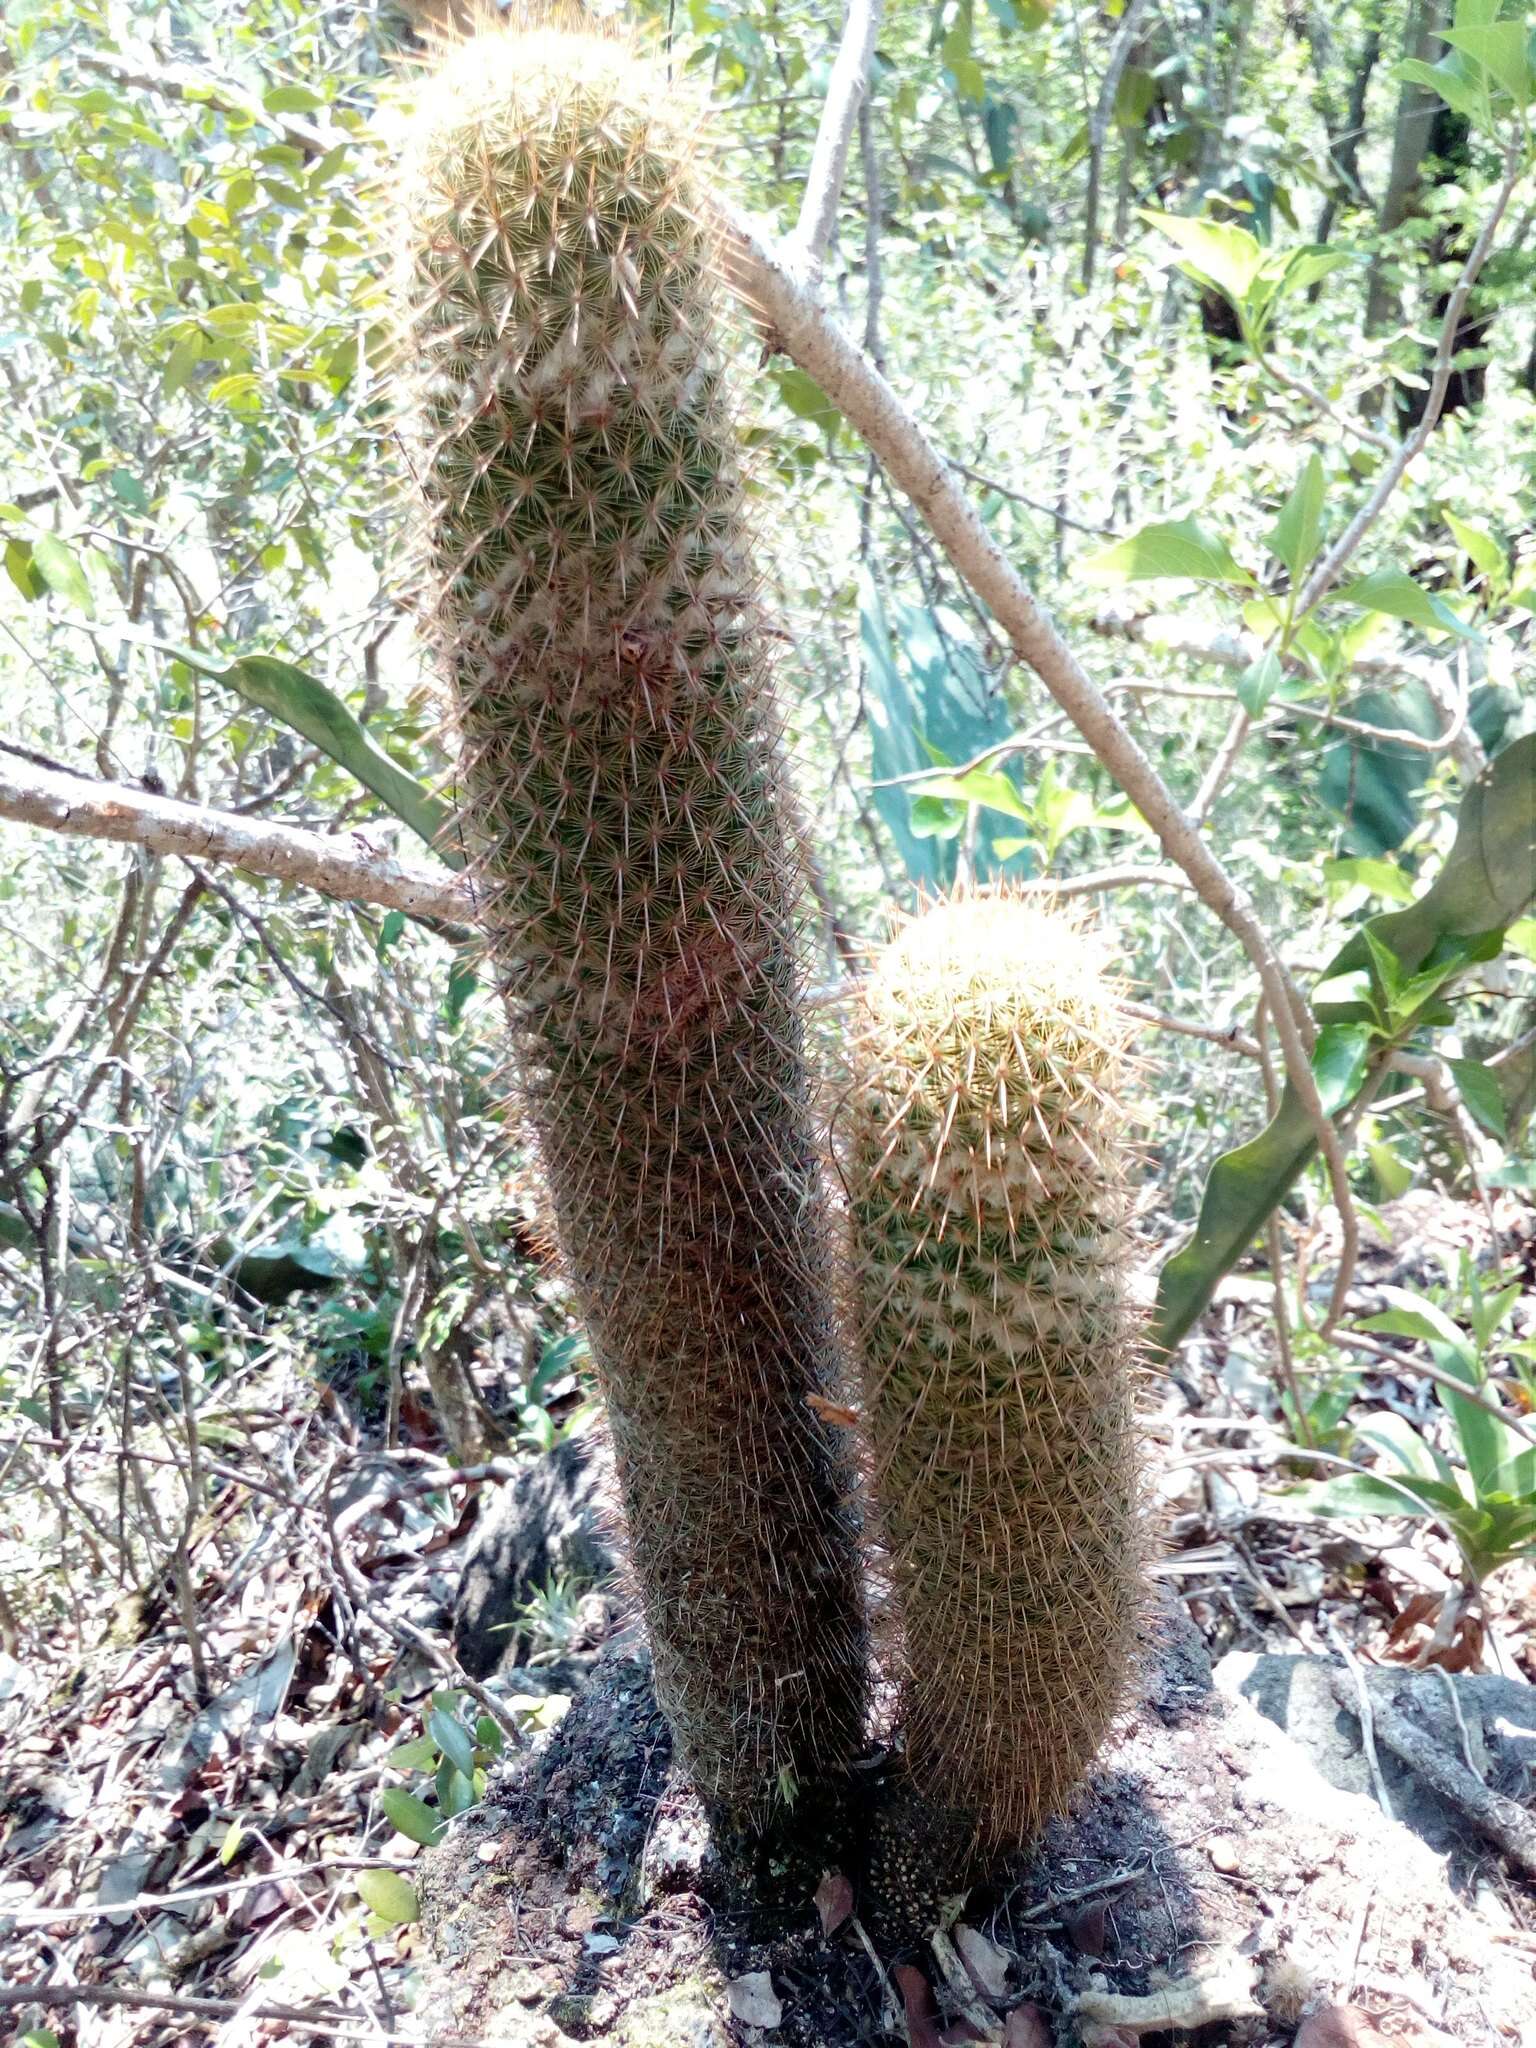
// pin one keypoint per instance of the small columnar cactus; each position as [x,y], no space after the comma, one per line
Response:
[988,1188]
[637,871]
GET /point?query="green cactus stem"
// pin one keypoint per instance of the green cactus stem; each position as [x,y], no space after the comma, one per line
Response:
[989,1191]
[591,585]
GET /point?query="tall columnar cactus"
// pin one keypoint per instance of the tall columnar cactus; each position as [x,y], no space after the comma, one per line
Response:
[638,874]
[988,1191]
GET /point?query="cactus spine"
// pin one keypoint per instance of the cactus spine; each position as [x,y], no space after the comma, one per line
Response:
[595,603]
[988,1191]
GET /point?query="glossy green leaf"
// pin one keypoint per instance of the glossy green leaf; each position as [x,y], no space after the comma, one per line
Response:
[453,1739]
[184,359]
[1299,527]
[1479,1086]
[1259,681]
[411,1816]
[1390,591]
[1339,1061]
[1179,548]
[1226,255]
[1487,881]
[455,1790]
[305,704]
[1452,78]
[1381,877]
[1502,49]
[1358,1493]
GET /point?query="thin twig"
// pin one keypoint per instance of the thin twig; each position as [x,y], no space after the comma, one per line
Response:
[1329,569]
[1364,1712]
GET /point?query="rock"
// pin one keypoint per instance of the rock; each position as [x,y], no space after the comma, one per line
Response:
[1499,1716]
[551,1522]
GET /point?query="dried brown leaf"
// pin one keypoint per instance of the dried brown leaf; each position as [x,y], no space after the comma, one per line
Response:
[834,1901]
[1085,1928]
[917,2002]
[1025,2027]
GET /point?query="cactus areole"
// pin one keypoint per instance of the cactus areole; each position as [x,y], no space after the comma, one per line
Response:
[588,575]
[988,1189]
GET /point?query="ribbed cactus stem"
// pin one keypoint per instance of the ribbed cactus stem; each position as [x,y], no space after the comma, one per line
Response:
[988,1184]
[638,875]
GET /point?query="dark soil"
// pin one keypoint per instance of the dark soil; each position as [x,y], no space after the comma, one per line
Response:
[1207,1865]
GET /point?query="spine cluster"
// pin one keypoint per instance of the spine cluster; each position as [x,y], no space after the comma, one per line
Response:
[594,598]
[988,1189]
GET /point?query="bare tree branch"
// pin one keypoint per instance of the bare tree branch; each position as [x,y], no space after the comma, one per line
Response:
[196,88]
[793,319]
[1328,570]
[829,158]
[341,865]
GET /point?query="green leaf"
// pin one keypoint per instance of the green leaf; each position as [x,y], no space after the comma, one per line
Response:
[1481,548]
[935,817]
[806,400]
[1358,1493]
[1299,527]
[61,571]
[455,1791]
[305,704]
[1390,591]
[22,570]
[184,359]
[453,1739]
[1178,547]
[462,979]
[1394,1438]
[1390,1168]
[291,99]
[1227,256]
[1259,681]
[411,1816]
[980,786]
[1381,877]
[1500,47]
[420,1754]
[1452,80]
[389,932]
[1487,881]
[388,1894]
[1339,1061]
[1479,1087]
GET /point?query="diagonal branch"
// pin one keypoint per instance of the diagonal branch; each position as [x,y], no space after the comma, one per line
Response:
[793,320]
[341,865]
[829,159]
